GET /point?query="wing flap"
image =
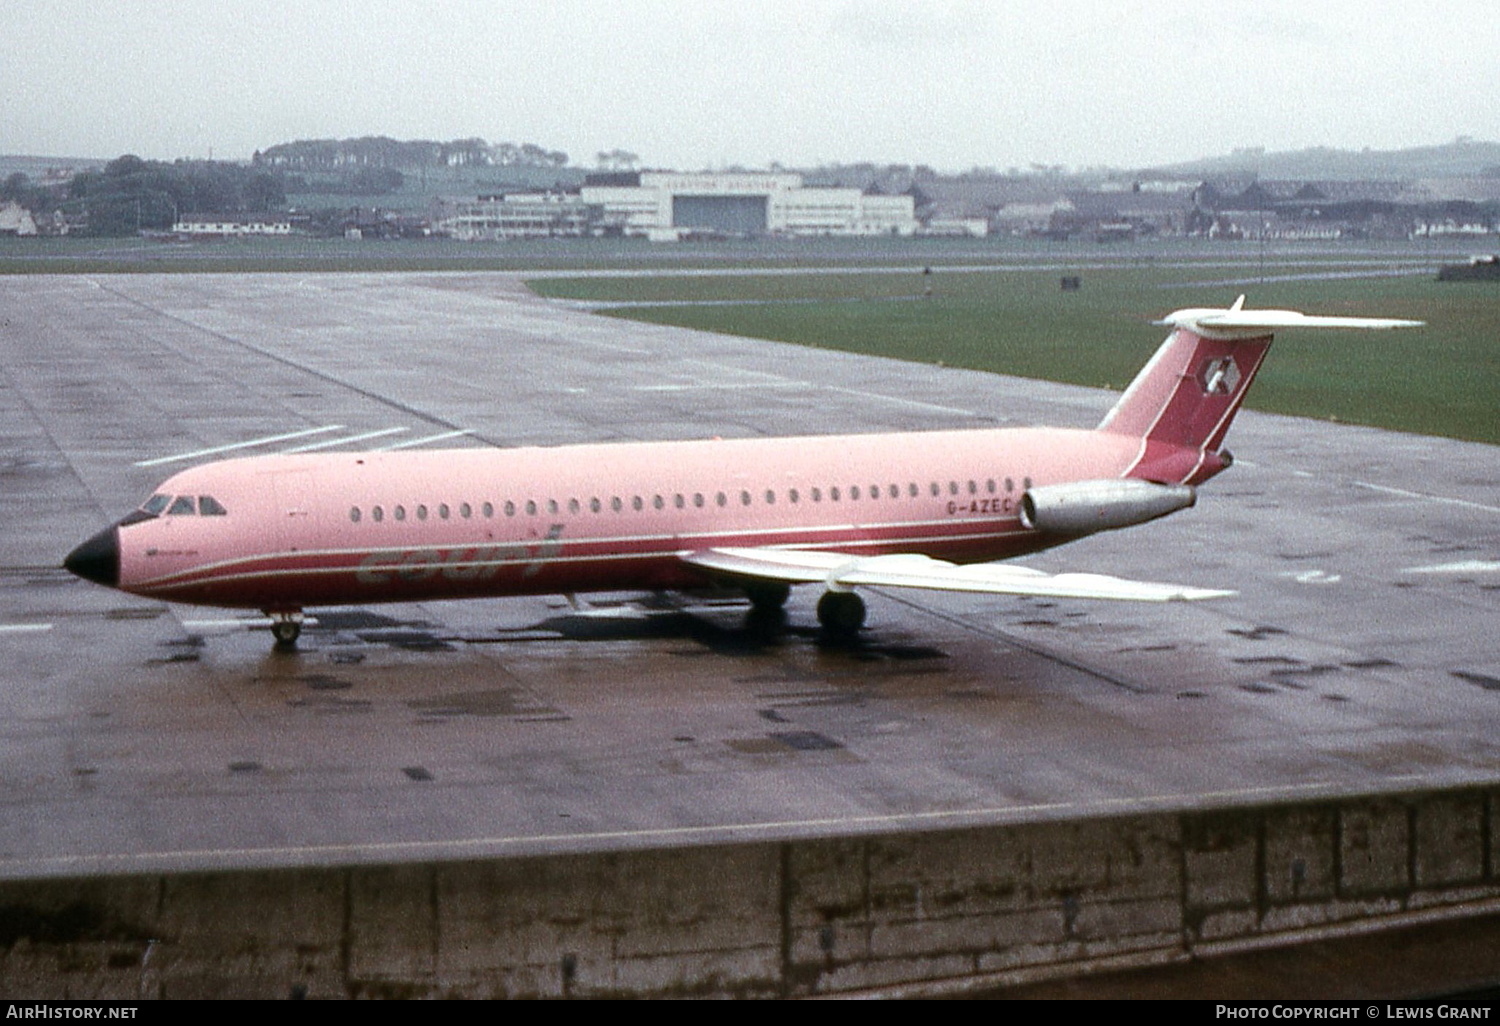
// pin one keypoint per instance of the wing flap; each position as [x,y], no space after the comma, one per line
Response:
[841,572]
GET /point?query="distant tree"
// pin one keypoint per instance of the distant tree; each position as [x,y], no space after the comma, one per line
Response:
[122,167]
[382,151]
[15,187]
[131,194]
[474,152]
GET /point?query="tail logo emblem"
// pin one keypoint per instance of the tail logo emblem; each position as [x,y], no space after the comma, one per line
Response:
[1219,377]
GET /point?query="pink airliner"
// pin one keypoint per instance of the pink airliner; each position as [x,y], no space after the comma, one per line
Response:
[912,510]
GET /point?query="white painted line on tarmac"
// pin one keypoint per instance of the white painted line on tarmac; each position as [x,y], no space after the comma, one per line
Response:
[901,402]
[1428,498]
[253,443]
[413,442]
[24,628]
[720,386]
[330,443]
[1467,566]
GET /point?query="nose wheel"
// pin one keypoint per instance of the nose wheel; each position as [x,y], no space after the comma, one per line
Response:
[842,613]
[286,628]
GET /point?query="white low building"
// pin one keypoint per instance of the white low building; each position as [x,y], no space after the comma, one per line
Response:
[232,224]
[659,204]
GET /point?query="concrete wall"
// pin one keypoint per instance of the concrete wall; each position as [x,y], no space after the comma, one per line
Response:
[764,919]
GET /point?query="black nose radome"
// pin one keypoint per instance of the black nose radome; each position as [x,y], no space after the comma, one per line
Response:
[97,559]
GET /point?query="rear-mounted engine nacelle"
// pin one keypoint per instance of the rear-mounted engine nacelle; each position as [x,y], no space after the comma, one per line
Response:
[1084,507]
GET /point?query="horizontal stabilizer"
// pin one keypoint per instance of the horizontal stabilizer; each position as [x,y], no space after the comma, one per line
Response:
[1237,322]
[840,571]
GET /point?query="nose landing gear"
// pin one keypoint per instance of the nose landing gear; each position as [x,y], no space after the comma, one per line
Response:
[286,628]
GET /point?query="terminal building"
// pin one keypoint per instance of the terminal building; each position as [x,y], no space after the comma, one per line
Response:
[669,205]
[528,215]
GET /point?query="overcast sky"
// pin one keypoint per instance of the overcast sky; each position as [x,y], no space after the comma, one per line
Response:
[693,84]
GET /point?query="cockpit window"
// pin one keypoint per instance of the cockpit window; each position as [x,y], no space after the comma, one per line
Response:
[181,506]
[155,504]
[209,506]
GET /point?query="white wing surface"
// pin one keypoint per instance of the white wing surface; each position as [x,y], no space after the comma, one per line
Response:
[840,572]
[1237,322]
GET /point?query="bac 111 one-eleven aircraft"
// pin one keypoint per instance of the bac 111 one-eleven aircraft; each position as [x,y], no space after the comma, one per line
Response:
[932,509]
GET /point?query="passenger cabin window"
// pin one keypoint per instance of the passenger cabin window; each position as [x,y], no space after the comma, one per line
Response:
[209,506]
[182,506]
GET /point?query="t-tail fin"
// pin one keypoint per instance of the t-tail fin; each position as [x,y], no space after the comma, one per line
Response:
[1181,404]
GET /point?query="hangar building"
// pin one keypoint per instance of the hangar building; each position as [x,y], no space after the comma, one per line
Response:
[668,205]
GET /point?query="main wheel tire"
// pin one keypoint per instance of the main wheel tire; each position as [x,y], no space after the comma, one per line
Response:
[841,613]
[768,595]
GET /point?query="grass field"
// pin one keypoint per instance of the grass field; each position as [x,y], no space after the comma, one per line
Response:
[1441,379]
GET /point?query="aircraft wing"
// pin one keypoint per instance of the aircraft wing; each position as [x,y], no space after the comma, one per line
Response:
[1237,322]
[840,571]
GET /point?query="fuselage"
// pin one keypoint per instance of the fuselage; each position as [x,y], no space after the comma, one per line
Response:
[285,532]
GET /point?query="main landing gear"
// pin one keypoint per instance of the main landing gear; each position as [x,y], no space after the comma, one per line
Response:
[286,628]
[842,613]
[767,596]
[767,617]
